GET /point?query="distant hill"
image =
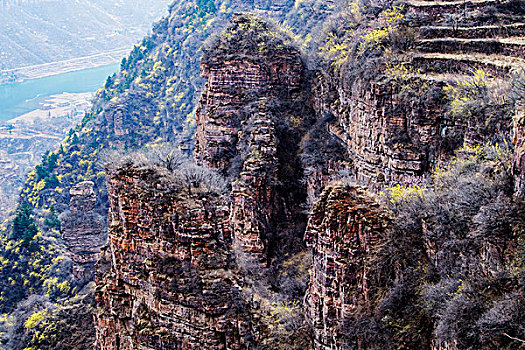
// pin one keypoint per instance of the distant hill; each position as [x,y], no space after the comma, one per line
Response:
[41,31]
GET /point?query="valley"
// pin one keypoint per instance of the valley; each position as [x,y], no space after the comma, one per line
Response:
[281,175]
[45,31]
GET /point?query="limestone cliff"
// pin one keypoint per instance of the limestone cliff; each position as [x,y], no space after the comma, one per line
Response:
[167,279]
[83,230]
[398,125]
[343,230]
[395,122]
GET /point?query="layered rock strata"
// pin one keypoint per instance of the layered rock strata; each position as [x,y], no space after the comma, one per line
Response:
[392,139]
[253,193]
[167,279]
[83,230]
[250,87]
[234,81]
[519,149]
[344,227]
[389,141]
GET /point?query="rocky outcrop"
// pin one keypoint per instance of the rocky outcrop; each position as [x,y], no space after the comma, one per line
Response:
[344,227]
[116,116]
[253,192]
[83,230]
[394,135]
[519,149]
[389,141]
[254,79]
[234,81]
[167,279]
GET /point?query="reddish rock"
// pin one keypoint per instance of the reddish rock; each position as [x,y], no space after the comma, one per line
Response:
[232,84]
[167,280]
[253,193]
[236,131]
[388,140]
[342,231]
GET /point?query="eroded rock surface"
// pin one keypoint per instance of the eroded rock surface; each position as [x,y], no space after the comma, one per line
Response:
[167,279]
[251,104]
[83,230]
[344,227]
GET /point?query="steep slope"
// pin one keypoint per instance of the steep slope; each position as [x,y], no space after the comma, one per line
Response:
[255,104]
[150,101]
[443,269]
[426,62]
[344,229]
[167,279]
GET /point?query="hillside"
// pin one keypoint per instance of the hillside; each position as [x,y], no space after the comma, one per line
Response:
[39,32]
[335,176]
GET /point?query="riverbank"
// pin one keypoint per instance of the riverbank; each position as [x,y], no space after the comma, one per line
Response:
[23,140]
[21,98]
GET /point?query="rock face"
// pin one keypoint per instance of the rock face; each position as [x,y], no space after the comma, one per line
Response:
[253,193]
[390,141]
[343,229]
[83,230]
[253,82]
[115,116]
[234,81]
[167,280]
[519,150]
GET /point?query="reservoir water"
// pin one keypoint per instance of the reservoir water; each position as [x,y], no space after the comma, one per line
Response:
[20,98]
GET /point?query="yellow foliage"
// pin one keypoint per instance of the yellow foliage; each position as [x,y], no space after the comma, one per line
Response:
[400,193]
[394,15]
[373,38]
[281,310]
[34,320]
[355,9]
[463,93]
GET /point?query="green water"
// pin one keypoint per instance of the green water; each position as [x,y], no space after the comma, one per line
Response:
[20,98]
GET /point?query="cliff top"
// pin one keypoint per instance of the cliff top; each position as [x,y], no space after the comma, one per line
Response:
[248,37]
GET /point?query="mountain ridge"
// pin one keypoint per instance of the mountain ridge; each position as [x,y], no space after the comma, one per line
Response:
[415,240]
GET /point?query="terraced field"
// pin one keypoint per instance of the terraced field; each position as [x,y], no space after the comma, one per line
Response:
[457,37]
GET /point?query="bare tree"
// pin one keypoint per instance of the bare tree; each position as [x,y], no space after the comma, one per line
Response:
[166,156]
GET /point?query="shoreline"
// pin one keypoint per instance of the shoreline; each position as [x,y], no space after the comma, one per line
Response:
[58,106]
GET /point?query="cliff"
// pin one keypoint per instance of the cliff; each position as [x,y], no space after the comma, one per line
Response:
[344,229]
[171,275]
[394,116]
[416,237]
[253,102]
[167,279]
[387,268]
[150,102]
[83,231]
